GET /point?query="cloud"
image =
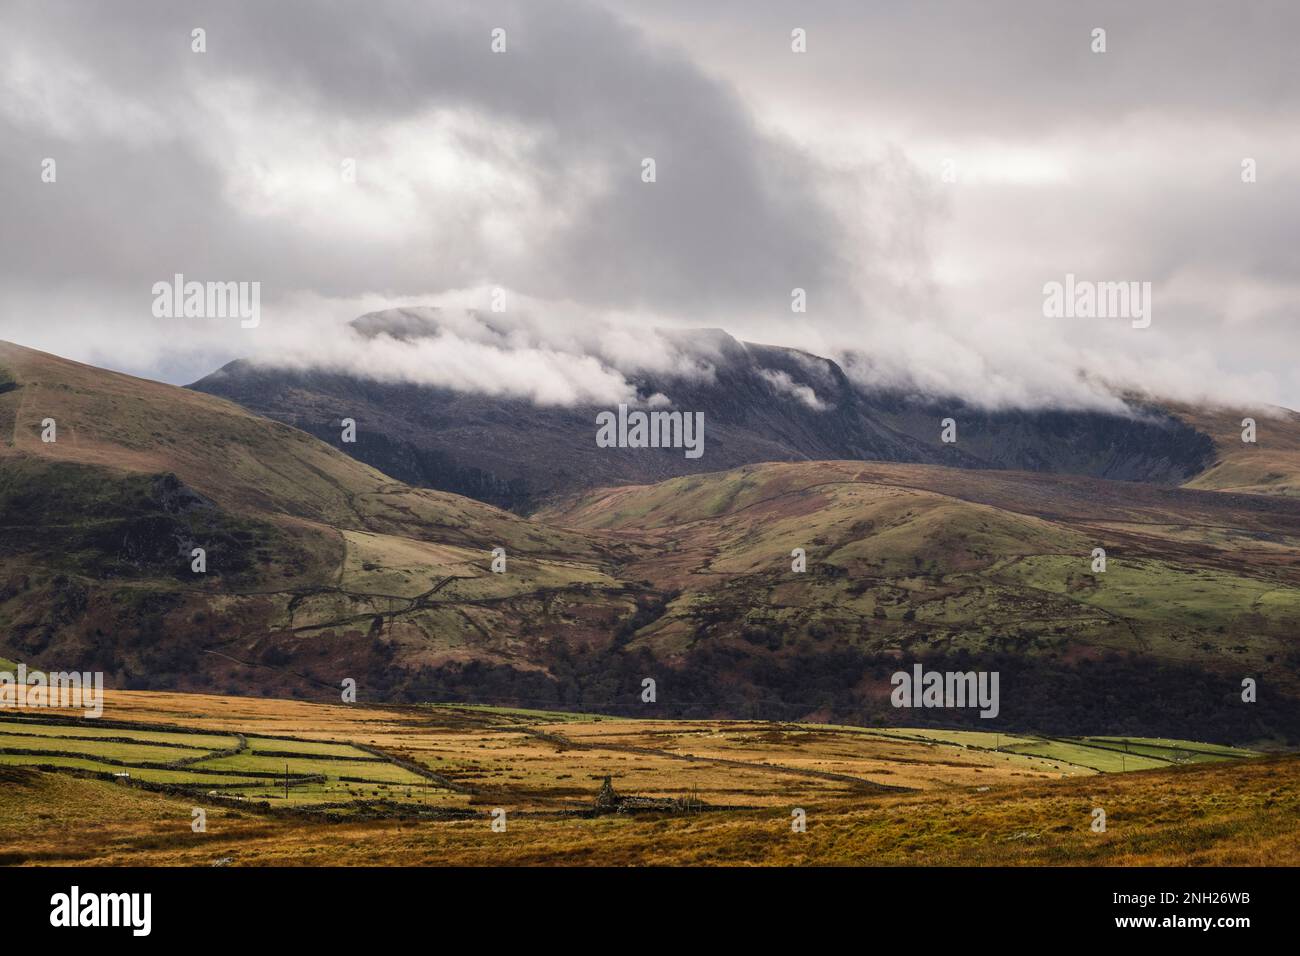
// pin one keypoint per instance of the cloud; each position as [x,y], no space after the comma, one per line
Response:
[490,354]
[521,172]
[542,376]
[520,169]
[783,384]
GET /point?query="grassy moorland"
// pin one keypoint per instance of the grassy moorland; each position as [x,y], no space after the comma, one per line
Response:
[417,785]
[915,561]
[1268,466]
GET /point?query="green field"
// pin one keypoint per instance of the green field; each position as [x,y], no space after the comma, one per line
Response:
[1103,754]
[1158,591]
[1082,755]
[317,772]
[274,745]
[202,742]
[965,738]
[130,753]
[373,771]
[148,774]
[471,747]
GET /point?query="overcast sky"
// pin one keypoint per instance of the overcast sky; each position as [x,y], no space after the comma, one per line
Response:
[922,170]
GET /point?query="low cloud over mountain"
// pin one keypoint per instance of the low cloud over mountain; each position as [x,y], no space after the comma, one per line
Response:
[491,407]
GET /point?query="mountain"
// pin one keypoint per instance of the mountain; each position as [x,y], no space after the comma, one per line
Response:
[761,403]
[321,568]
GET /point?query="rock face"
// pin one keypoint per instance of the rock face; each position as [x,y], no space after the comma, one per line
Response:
[761,403]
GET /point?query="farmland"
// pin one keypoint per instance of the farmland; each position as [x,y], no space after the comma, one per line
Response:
[229,767]
[294,782]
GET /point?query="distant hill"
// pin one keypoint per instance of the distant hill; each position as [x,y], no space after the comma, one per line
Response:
[763,403]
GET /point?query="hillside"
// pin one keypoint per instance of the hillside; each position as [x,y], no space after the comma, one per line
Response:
[321,568]
[301,541]
[914,561]
[1268,466]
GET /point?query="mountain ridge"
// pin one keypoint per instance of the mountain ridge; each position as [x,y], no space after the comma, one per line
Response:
[760,403]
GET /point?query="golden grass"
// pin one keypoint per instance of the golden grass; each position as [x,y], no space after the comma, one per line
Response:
[967,803]
[1211,814]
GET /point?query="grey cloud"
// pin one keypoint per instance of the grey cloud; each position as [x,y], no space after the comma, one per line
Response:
[733,221]
[774,171]
[1004,66]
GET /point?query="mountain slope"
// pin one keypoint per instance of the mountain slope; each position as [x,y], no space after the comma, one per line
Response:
[99,526]
[760,403]
[322,569]
[245,463]
[1270,465]
[909,562]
